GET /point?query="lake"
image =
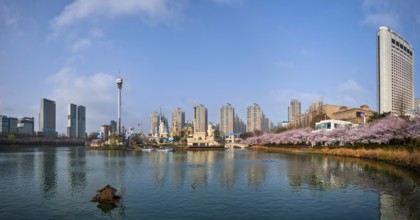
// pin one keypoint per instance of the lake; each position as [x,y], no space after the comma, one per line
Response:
[59,182]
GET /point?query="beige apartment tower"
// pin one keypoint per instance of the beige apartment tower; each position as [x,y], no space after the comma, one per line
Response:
[395,72]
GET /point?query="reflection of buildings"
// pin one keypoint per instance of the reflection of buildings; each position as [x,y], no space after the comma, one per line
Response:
[77,169]
[48,172]
[229,171]
[256,172]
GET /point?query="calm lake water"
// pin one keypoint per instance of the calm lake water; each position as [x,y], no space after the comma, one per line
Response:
[59,182]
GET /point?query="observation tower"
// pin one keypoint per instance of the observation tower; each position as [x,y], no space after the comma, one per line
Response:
[119,84]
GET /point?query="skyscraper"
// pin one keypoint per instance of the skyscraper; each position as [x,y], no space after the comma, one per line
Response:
[178,120]
[47,117]
[294,110]
[257,120]
[71,121]
[254,117]
[200,118]
[227,119]
[81,121]
[395,72]
[154,122]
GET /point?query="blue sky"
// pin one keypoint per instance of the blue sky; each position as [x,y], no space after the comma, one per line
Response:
[177,53]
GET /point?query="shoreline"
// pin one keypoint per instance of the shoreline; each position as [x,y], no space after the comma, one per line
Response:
[408,158]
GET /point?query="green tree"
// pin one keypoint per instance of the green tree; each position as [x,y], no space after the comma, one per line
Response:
[11,138]
[113,140]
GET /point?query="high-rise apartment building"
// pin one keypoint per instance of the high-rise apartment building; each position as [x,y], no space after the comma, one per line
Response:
[47,117]
[154,122]
[294,110]
[178,120]
[200,118]
[81,121]
[395,72]
[71,120]
[257,120]
[227,119]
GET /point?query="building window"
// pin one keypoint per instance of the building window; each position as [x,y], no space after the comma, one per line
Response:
[393,41]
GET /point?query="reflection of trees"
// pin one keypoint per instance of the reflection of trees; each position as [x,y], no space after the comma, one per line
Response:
[397,191]
[48,172]
[77,169]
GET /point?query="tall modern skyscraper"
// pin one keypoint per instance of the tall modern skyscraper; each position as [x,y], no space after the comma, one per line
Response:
[178,120]
[200,118]
[395,72]
[227,119]
[294,110]
[47,117]
[81,121]
[71,121]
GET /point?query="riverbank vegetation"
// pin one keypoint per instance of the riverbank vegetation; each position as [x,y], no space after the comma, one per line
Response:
[391,138]
[390,130]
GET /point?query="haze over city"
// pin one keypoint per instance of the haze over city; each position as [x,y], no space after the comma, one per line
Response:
[180,53]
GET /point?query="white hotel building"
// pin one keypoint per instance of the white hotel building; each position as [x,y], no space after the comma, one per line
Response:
[395,72]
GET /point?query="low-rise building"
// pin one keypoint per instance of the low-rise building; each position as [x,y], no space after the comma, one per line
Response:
[353,115]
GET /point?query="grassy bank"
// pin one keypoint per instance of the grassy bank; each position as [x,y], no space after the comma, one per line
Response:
[402,157]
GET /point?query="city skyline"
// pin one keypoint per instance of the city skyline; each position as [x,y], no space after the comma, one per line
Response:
[180,53]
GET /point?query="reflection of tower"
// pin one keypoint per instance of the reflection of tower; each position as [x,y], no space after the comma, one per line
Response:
[119,83]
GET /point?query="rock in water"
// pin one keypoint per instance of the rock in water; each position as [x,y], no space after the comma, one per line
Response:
[106,194]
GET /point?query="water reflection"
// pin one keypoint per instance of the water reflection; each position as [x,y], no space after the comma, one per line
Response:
[77,169]
[48,163]
[395,192]
[248,182]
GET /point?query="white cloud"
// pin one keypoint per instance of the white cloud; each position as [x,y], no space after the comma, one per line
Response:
[97,92]
[96,33]
[390,19]
[81,44]
[81,9]
[227,2]
[8,16]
